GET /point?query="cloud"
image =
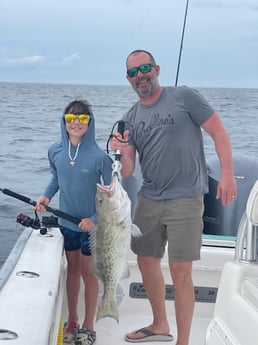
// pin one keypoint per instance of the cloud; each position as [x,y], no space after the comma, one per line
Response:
[23,61]
[36,60]
[219,33]
[71,57]
[227,3]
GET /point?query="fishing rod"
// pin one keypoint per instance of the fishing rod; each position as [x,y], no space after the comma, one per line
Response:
[117,164]
[120,129]
[181,45]
[55,211]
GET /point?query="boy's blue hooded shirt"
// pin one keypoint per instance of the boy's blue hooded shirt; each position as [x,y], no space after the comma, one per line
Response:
[77,184]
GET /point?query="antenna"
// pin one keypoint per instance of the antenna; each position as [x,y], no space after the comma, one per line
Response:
[181,45]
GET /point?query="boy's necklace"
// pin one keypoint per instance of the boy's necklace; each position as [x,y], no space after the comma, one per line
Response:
[72,159]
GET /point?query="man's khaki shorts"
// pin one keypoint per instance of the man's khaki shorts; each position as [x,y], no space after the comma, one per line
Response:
[177,223]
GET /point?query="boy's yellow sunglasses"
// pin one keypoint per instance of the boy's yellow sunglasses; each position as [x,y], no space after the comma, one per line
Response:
[84,119]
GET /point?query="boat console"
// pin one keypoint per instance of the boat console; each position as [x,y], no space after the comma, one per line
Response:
[235,318]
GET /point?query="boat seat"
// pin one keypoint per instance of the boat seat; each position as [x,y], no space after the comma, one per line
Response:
[249,291]
[252,205]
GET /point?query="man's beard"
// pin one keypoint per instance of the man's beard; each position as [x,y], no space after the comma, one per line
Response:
[146,92]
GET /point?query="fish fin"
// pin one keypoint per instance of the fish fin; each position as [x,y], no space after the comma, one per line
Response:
[108,310]
[92,245]
[95,270]
[92,267]
[136,232]
[92,241]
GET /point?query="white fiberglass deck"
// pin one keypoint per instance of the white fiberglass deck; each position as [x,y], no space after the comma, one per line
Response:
[135,312]
[30,307]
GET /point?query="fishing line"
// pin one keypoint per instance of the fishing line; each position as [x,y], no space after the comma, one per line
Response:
[128,125]
[120,129]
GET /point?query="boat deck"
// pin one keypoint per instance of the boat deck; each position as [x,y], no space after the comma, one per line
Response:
[33,299]
[138,315]
[109,332]
[134,308]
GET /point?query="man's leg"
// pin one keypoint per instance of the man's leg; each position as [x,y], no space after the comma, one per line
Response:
[155,289]
[181,273]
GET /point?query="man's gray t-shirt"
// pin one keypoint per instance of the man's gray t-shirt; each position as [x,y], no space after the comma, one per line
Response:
[167,135]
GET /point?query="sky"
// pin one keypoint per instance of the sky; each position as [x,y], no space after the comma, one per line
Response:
[87,41]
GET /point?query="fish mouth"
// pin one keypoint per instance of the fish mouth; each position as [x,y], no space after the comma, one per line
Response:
[108,190]
[105,189]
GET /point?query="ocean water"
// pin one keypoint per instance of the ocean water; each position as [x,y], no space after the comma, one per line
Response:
[31,123]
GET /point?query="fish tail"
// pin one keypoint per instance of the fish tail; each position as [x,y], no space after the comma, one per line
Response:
[135,231]
[108,309]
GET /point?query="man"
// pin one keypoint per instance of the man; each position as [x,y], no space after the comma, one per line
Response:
[165,129]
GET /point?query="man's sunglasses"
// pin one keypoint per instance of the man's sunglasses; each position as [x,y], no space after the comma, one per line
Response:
[146,68]
[84,119]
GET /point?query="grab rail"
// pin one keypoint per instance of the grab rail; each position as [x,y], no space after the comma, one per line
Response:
[247,236]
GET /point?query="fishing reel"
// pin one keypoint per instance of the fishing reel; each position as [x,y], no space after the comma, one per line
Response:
[47,222]
[29,222]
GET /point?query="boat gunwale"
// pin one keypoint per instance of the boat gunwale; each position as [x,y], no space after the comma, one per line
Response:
[13,258]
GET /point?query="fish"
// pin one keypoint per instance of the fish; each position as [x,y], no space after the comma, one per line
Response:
[111,243]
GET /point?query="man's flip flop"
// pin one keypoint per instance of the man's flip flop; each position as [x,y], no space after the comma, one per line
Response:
[149,336]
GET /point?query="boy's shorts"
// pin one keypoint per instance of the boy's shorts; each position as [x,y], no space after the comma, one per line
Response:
[176,222]
[74,240]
